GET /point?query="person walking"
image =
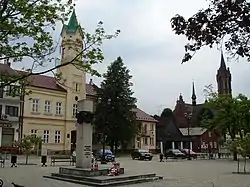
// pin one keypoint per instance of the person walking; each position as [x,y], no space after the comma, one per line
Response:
[161,157]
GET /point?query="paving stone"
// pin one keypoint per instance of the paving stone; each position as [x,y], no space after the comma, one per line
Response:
[196,173]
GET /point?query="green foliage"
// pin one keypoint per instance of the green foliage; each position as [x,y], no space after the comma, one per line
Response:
[29,142]
[116,104]
[231,114]
[26,30]
[223,19]
[240,145]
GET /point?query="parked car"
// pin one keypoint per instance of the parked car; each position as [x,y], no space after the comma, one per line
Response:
[141,154]
[109,156]
[174,153]
[190,153]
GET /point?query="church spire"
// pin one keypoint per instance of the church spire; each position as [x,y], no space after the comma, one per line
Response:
[73,24]
[222,62]
[193,96]
[223,78]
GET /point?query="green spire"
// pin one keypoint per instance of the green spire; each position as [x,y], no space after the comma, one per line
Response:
[73,24]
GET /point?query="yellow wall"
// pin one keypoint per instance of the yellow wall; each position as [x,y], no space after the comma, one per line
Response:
[140,142]
[70,76]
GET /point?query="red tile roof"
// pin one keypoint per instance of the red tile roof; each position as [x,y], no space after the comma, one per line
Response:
[143,116]
[48,82]
[90,90]
[6,69]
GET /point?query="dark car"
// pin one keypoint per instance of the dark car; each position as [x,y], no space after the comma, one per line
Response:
[174,153]
[141,154]
[190,153]
[108,155]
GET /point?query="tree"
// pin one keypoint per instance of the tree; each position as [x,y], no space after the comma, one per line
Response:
[27,143]
[242,147]
[223,20]
[114,111]
[26,30]
[231,115]
[37,141]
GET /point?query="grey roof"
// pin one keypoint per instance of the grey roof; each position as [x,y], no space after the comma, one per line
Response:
[193,131]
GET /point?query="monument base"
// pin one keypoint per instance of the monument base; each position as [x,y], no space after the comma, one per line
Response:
[100,177]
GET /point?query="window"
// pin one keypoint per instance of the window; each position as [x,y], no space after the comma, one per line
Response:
[151,127]
[11,110]
[58,108]
[209,134]
[76,86]
[215,145]
[74,110]
[151,141]
[35,105]
[1,91]
[0,110]
[211,144]
[12,90]
[145,128]
[47,107]
[46,136]
[57,136]
[33,132]
[145,141]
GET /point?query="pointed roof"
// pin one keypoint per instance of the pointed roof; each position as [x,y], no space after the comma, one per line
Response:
[222,62]
[73,24]
[193,92]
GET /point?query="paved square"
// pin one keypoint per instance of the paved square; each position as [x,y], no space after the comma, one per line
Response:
[197,173]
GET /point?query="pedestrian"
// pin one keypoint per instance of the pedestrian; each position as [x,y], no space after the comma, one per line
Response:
[161,157]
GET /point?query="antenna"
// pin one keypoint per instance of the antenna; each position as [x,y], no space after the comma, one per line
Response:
[159,108]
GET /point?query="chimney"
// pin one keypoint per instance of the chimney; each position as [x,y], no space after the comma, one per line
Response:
[7,61]
[91,82]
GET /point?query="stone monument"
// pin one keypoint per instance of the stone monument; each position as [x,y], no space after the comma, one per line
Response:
[84,134]
[82,173]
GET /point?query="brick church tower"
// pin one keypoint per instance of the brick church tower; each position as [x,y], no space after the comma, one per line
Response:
[223,78]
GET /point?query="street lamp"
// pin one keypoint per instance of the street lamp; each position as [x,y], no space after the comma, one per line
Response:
[104,133]
[188,116]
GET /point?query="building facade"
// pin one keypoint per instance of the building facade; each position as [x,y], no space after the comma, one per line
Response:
[51,106]
[9,109]
[146,138]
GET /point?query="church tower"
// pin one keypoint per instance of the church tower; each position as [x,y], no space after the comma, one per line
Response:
[224,78]
[193,96]
[72,76]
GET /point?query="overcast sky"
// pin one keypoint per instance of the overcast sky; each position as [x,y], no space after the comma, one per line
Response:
[153,53]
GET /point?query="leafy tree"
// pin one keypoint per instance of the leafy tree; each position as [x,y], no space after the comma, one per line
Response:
[231,115]
[242,147]
[26,30]
[37,141]
[223,20]
[114,114]
[27,143]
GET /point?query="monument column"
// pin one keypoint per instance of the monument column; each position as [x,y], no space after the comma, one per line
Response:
[84,134]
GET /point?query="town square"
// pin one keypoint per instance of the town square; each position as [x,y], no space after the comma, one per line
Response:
[197,173]
[153,94]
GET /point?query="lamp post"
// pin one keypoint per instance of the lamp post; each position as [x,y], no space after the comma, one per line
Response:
[104,133]
[188,116]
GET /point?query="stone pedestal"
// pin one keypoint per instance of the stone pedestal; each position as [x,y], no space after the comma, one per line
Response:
[84,138]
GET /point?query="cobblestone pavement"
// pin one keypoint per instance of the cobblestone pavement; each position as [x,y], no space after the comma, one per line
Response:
[196,173]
